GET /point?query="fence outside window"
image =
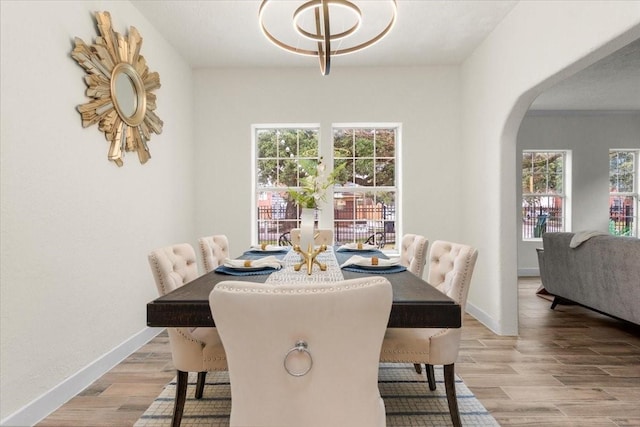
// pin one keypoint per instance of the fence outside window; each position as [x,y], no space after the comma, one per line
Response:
[373,224]
[622,216]
[537,220]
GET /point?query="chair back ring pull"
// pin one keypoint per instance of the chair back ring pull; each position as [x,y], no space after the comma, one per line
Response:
[301,346]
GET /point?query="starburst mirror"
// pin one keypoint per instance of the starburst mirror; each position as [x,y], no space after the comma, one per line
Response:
[121,90]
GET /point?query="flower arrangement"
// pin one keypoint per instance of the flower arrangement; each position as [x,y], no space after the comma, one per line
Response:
[314,186]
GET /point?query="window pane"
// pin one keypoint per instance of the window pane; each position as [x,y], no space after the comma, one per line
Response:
[385,173]
[288,173]
[267,173]
[541,215]
[309,143]
[276,216]
[621,171]
[342,143]
[364,143]
[385,143]
[557,164]
[621,215]
[555,183]
[539,183]
[266,143]
[387,201]
[344,208]
[306,167]
[288,144]
[347,173]
[364,172]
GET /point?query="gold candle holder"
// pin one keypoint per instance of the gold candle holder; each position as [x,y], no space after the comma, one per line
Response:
[308,258]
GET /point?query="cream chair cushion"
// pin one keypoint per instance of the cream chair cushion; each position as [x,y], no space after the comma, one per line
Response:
[450,269]
[342,323]
[434,346]
[192,349]
[413,253]
[213,249]
[322,237]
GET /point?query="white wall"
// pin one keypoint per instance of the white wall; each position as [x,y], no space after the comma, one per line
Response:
[425,100]
[76,229]
[534,47]
[589,136]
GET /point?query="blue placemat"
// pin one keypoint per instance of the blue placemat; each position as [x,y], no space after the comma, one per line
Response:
[343,256]
[234,272]
[255,254]
[394,269]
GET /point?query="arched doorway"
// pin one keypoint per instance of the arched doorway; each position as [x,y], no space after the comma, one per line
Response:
[499,85]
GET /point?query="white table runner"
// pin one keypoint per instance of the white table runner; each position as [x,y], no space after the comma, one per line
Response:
[288,275]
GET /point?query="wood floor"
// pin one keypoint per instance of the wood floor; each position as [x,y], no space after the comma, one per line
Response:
[567,367]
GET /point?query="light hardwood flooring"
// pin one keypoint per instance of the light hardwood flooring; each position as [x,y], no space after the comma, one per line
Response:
[568,367]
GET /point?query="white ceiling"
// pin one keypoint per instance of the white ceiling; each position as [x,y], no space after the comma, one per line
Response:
[225,33]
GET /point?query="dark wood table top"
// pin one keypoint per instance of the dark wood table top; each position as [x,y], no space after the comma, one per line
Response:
[416,304]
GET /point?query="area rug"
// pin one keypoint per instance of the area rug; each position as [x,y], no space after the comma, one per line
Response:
[407,399]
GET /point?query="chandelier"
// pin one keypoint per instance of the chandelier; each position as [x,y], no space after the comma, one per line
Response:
[321,28]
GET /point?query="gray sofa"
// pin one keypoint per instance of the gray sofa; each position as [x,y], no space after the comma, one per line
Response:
[602,273]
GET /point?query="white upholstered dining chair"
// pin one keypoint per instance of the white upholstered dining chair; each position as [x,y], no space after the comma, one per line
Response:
[413,253]
[322,236]
[303,355]
[213,249]
[192,349]
[450,269]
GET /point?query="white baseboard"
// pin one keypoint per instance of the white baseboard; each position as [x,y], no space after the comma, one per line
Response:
[528,272]
[494,325]
[41,407]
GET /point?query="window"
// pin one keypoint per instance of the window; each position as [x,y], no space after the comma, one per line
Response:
[543,192]
[282,156]
[365,200]
[623,192]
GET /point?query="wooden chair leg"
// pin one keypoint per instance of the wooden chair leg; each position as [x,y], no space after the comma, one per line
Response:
[418,367]
[181,397]
[452,399]
[431,377]
[202,378]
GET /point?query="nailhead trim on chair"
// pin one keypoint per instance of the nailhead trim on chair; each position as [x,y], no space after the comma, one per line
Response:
[215,359]
[180,331]
[413,248]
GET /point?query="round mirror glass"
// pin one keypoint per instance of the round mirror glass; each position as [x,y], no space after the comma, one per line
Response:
[125,94]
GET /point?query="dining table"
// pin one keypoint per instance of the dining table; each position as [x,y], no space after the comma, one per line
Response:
[416,304]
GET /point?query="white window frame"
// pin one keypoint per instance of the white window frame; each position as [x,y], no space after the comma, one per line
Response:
[255,190]
[325,145]
[397,188]
[634,193]
[565,196]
